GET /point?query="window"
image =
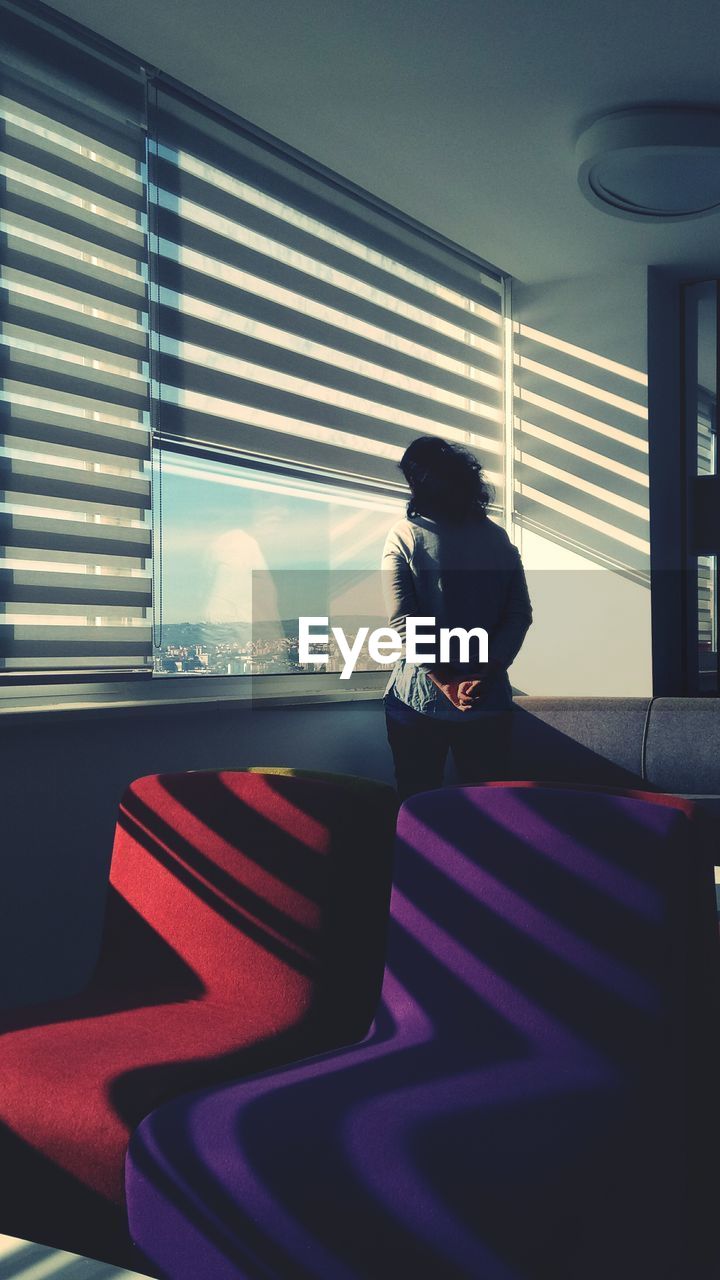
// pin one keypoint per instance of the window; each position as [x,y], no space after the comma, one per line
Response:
[246,552]
[298,326]
[174,278]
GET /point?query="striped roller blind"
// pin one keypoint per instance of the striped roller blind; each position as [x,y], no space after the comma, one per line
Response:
[75,544]
[299,321]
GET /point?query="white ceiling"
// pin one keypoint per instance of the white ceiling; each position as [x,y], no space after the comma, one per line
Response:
[463,113]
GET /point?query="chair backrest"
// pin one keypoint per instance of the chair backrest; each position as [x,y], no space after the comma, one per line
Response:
[542,953]
[576,898]
[272,889]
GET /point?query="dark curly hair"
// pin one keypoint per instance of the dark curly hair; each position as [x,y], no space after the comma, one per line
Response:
[446,481]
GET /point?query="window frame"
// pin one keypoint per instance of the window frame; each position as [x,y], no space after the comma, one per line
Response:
[248,692]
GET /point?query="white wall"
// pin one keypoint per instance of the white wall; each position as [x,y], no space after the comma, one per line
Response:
[581,484]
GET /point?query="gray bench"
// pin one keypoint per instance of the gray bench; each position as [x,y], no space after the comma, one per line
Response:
[658,744]
[663,744]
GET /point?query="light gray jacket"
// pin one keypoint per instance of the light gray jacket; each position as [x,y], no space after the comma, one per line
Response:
[463,575]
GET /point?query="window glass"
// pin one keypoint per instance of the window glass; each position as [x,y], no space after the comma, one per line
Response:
[234,536]
[707,583]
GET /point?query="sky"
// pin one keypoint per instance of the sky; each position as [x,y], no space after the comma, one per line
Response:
[220,523]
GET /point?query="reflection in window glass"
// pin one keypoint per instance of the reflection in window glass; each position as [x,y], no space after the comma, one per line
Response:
[230,531]
[705,296]
[701,392]
[707,580]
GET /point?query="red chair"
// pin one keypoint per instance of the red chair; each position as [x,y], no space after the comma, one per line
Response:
[245,929]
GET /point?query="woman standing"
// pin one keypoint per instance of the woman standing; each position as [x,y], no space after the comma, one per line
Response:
[447,560]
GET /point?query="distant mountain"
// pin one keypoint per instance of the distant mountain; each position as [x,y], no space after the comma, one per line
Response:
[187,634]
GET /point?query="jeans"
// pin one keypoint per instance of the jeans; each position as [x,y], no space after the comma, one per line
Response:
[420,746]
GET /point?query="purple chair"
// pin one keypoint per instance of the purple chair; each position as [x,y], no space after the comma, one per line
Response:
[524,1105]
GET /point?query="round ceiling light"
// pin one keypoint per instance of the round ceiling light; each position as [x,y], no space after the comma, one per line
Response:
[657,164]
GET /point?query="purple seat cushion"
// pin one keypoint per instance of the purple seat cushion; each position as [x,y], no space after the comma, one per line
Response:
[518,1108]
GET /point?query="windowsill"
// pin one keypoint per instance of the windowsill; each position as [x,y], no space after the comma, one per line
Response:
[225,693]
